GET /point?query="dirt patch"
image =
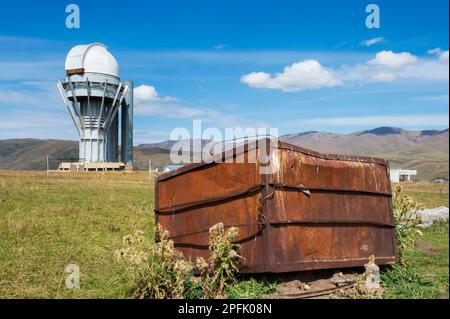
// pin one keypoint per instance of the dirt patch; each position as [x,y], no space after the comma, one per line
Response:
[427,247]
[310,282]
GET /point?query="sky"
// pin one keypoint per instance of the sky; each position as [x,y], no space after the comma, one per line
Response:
[292,65]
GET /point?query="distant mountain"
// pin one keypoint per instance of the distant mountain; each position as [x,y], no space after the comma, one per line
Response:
[380,131]
[427,151]
[167,145]
[31,154]
[383,131]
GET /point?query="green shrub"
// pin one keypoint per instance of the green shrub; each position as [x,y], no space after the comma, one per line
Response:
[251,288]
[405,282]
[405,220]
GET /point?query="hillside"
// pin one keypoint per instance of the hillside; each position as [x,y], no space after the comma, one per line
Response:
[31,154]
[427,151]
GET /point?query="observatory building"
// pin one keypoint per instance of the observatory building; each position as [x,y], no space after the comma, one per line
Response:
[96,98]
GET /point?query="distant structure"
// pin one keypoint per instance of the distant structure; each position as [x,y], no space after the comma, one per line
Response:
[157,168]
[171,167]
[94,95]
[440,180]
[402,175]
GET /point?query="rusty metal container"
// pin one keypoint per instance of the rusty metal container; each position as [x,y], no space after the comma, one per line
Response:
[316,211]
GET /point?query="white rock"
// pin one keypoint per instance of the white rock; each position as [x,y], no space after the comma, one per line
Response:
[430,215]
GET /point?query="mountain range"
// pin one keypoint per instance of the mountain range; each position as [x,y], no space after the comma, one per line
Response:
[427,150]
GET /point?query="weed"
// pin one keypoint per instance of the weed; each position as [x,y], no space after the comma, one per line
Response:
[158,270]
[223,261]
[405,220]
[405,282]
[251,288]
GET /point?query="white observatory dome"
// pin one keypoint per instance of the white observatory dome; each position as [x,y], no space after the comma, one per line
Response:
[92,58]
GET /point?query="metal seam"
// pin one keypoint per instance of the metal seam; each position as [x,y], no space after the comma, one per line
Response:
[337,190]
[227,197]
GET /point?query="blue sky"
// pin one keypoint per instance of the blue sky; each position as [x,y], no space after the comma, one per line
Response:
[292,65]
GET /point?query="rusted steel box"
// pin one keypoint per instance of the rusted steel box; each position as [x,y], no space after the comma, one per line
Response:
[316,211]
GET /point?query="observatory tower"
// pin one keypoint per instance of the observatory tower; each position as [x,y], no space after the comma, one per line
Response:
[94,95]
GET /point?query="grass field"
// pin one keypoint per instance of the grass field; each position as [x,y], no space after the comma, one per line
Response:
[49,222]
[426,272]
[428,194]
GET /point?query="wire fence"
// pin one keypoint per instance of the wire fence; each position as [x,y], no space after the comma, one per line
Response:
[76,164]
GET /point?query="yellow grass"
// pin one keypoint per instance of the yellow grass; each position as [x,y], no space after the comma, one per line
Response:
[430,195]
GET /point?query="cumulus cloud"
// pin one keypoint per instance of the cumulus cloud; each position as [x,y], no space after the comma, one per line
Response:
[300,76]
[393,60]
[370,42]
[386,66]
[148,93]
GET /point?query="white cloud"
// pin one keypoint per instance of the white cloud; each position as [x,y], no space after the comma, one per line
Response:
[147,102]
[256,79]
[300,76]
[370,42]
[393,60]
[386,66]
[443,58]
[394,120]
[148,93]
[435,51]
[442,55]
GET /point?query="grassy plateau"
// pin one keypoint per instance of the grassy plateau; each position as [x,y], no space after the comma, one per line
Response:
[49,222]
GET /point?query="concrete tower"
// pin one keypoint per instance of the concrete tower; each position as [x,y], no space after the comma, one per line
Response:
[94,95]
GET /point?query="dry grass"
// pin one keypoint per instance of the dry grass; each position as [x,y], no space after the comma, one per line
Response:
[430,195]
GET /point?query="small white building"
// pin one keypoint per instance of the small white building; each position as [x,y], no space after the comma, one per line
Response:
[402,175]
[171,167]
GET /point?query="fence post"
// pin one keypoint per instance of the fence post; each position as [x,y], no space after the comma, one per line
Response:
[150,171]
[47,165]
